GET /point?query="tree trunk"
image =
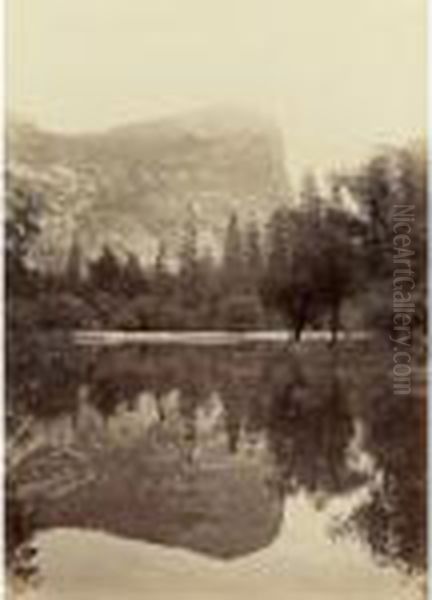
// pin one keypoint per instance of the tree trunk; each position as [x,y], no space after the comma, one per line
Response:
[301,319]
[299,325]
[335,323]
[298,329]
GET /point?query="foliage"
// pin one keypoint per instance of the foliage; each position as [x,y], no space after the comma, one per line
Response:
[317,260]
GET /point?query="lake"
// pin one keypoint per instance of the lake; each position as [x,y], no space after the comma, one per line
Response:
[215,473]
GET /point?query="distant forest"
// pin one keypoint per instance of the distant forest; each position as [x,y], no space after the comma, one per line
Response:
[320,262]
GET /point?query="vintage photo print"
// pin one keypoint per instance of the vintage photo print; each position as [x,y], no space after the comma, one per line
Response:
[215,300]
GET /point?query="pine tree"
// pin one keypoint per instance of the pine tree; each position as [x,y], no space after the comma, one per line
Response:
[189,271]
[278,243]
[311,198]
[133,278]
[253,255]
[161,276]
[105,272]
[233,265]
[74,270]
[211,292]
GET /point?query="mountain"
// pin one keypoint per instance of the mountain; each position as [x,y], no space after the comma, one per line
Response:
[134,185]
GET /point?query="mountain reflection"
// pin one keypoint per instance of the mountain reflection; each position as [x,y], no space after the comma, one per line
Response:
[203,449]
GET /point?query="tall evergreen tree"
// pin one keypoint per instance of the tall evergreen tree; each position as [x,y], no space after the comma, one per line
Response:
[211,289]
[161,279]
[189,271]
[278,242]
[253,255]
[160,263]
[233,265]
[311,198]
[133,277]
[105,272]
[74,270]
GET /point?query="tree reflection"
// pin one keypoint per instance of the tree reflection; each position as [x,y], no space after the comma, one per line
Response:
[208,436]
[393,520]
[310,426]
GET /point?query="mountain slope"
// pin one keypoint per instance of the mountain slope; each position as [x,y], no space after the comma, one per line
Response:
[133,185]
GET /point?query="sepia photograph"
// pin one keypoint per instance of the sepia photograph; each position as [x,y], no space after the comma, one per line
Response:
[215,311]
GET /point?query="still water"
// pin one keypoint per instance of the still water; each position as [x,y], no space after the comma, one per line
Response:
[220,474]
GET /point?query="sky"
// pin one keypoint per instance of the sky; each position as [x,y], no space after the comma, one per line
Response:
[339,76]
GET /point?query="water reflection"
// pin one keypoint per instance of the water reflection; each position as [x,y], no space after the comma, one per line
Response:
[207,450]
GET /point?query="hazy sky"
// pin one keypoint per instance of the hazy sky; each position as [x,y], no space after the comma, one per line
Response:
[338,75]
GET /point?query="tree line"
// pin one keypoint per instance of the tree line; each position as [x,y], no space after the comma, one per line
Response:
[323,260]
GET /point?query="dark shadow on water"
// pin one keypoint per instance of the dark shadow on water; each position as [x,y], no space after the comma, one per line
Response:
[201,448]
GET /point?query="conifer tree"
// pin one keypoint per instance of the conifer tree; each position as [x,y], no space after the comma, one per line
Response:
[253,255]
[74,270]
[105,272]
[189,270]
[133,278]
[233,265]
